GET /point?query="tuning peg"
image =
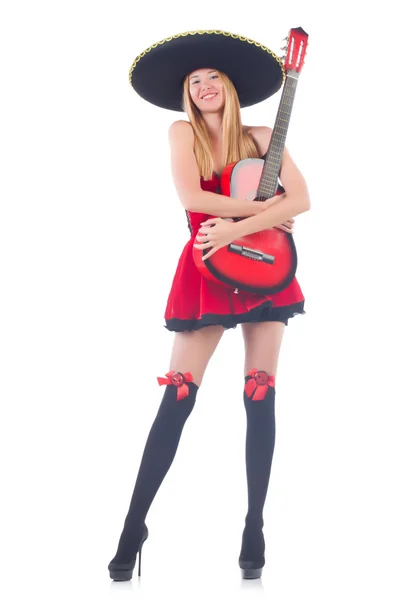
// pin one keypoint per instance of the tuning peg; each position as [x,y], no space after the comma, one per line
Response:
[284,48]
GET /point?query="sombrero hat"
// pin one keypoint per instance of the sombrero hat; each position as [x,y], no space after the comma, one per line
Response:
[157,74]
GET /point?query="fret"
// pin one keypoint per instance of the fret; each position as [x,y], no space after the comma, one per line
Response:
[275,167]
[276,162]
[269,185]
[276,152]
[269,180]
[266,194]
[270,177]
[272,174]
[269,188]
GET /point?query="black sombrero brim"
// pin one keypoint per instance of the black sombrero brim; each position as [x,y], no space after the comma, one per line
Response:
[157,74]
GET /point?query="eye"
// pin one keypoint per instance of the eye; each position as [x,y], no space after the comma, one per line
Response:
[211,77]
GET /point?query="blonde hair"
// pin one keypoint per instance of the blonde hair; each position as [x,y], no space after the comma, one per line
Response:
[237,143]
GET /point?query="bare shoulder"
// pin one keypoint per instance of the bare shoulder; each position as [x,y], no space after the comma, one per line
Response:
[180,129]
[257,129]
[261,135]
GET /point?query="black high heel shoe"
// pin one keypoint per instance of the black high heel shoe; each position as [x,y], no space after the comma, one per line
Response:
[253,544]
[251,569]
[123,571]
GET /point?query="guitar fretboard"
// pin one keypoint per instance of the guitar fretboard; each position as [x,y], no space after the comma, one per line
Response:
[269,180]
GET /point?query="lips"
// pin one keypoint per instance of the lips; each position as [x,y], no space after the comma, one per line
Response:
[212,94]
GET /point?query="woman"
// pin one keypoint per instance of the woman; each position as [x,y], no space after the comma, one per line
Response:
[198,310]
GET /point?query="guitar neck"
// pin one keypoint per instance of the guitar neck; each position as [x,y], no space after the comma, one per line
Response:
[269,180]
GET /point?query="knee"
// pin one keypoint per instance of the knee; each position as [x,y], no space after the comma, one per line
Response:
[181,389]
[259,385]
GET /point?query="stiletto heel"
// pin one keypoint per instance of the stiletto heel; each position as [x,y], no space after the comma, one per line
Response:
[123,571]
[139,565]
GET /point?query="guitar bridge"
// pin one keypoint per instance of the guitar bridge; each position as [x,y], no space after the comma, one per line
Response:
[252,254]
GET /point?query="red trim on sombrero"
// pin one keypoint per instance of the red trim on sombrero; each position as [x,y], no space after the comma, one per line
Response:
[259,384]
[179,380]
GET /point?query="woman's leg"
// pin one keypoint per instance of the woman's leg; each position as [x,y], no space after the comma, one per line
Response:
[262,349]
[191,353]
[192,350]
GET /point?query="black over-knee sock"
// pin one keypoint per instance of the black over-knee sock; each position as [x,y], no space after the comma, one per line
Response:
[259,399]
[158,455]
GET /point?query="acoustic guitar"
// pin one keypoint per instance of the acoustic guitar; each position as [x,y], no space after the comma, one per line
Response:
[264,262]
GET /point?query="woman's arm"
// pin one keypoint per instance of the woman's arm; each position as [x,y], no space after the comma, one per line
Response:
[295,201]
[187,180]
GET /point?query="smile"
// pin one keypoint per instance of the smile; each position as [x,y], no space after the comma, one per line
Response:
[209,96]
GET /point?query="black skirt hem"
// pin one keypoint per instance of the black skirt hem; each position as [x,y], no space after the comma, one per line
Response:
[264,312]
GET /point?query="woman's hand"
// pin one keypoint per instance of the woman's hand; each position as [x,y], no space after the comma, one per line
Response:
[287,226]
[216,233]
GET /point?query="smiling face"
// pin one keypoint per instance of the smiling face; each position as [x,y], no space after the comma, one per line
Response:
[206,90]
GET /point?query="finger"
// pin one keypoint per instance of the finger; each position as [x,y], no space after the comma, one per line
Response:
[202,238]
[210,221]
[202,246]
[206,230]
[210,253]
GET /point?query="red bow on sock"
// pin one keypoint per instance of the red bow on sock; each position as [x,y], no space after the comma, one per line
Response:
[177,379]
[259,384]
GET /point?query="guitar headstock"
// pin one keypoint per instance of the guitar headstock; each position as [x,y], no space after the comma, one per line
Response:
[296,49]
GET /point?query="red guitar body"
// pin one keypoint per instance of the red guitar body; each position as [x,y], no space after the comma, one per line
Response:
[264,262]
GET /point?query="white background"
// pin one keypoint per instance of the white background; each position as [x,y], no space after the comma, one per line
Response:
[91,231]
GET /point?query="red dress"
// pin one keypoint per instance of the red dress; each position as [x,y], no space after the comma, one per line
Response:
[194,301]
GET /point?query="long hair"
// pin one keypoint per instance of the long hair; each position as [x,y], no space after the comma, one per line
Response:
[237,143]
